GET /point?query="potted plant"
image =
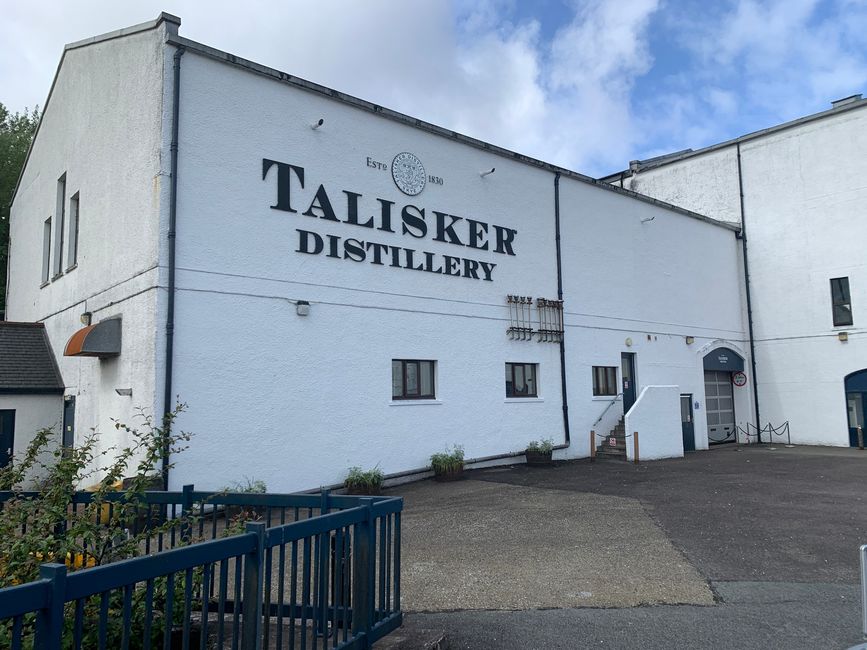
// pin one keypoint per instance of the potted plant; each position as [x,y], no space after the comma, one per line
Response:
[367,482]
[448,465]
[540,452]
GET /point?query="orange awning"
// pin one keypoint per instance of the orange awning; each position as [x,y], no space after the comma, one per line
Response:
[100,340]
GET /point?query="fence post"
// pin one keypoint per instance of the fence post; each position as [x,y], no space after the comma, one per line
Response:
[362,581]
[592,446]
[186,510]
[322,557]
[635,447]
[49,621]
[860,438]
[254,561]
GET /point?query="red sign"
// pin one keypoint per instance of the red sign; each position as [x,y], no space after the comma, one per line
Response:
[739,378]
[612,441]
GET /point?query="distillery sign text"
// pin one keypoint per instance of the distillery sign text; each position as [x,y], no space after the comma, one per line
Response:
[409,220]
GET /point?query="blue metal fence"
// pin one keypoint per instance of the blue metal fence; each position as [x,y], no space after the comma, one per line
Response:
[317,571]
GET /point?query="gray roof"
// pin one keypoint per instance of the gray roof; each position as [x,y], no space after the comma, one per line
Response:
[27,364]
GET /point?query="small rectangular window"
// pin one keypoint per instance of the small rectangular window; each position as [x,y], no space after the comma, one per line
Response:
[72,254]
[841,302]
[521,380]
[413,379]
[60,225]
[46,250]
[605,380]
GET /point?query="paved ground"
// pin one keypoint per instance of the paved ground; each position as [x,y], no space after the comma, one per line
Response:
[772,532]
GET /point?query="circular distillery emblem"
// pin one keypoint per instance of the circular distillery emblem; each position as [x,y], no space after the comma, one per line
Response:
[739,379]
[408,173]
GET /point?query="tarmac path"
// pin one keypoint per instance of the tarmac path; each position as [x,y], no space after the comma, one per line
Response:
[729,548]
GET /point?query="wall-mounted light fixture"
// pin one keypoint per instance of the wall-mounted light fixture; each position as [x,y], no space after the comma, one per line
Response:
[628,342]
[843,336]
[317,124]
[125,392]
[486,173]
[85,318]
[689,340]
[302,307]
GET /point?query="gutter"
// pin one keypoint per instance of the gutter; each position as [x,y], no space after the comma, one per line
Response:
[743,237]
[563,393]
[173,218]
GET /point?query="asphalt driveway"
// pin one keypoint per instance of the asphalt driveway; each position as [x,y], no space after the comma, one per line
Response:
[730,548]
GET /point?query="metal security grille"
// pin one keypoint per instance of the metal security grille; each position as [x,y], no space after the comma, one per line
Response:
[720,406]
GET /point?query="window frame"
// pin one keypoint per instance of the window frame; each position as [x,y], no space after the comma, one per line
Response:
[47,234]
[404,364]
[510,367]
[606,377]
[59,226]
[72,252]
[844,302]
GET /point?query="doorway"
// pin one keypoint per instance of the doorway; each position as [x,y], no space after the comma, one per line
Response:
[686,422]
[856,402]
[7,436]
[627,376]
[719,398]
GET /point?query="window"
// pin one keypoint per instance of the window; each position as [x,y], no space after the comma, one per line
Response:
[604,380]
[72,254]
[60,225]
[841,302]
[46,250]
[412,379]
[521,380]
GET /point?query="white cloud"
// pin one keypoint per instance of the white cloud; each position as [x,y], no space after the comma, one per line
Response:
[465,66]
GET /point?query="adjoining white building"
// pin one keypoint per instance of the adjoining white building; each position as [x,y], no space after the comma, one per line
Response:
[328,283]
[803,236]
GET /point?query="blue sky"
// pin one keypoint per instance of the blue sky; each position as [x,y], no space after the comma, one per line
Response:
[585,84]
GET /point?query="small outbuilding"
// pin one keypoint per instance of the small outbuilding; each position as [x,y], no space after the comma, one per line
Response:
[31,388]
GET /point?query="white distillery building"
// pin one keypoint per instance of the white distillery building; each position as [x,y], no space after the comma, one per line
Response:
[328,283]
[803,236]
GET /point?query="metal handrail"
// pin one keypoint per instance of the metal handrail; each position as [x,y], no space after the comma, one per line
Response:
[610,404]
[863,550]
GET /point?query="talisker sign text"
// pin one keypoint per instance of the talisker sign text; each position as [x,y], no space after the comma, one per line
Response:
[384,215]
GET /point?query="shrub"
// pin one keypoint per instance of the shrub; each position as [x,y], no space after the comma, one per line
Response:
[370,480]
[49,528]
[543,446]
[248,486]
[448,461]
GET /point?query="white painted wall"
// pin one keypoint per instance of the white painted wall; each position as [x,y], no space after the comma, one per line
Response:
[803,229]
[33,413]
[102,127]
[638,285]
[656,417]
[273,390]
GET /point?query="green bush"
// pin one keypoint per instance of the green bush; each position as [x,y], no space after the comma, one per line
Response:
[543,446]
[48,528]
[358,479]
[448,461]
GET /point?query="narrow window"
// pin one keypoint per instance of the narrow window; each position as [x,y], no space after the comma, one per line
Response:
[46,250]
[60,225]
[412,379]
[604,380]
[521,380]
[841,302]
[72,254]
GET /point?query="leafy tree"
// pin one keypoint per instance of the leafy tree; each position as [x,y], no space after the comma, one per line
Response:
[16,132]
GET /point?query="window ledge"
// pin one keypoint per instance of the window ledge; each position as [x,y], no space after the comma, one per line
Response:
[414,402]
[519,400]
[45,284]
[57,276]
[606,398]
[74,266]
